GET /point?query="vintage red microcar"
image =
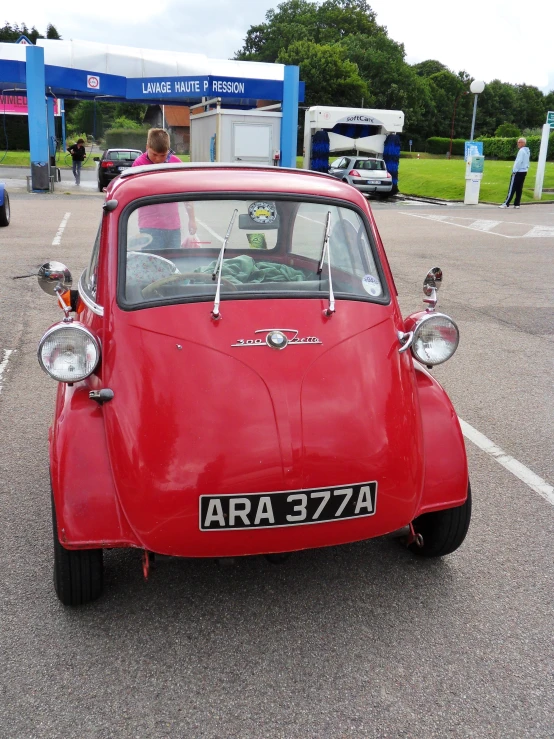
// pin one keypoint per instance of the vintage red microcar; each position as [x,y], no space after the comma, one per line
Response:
[236,378]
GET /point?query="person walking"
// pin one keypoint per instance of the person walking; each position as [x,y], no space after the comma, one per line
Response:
[78,154]
[519,172]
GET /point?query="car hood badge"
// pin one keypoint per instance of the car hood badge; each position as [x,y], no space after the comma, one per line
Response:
[277,338]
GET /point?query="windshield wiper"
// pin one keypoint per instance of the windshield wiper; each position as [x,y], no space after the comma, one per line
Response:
[219,263]
[325,250]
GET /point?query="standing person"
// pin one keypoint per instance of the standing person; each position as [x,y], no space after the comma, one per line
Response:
[519,172]
[162,222]
[78,154]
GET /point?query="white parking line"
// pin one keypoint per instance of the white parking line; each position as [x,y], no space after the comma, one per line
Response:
[522,472]
[210,231]
[487,226]
[4,364]
[481,225]
[540,232]
[58,237]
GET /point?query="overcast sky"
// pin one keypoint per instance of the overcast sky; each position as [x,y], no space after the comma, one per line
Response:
[493,39]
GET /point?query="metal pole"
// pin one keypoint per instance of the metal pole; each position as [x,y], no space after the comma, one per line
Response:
[62,103]
[474,114]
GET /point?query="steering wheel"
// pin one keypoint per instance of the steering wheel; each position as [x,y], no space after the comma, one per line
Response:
[201,277]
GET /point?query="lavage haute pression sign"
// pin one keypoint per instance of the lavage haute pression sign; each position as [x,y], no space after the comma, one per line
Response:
[195,87]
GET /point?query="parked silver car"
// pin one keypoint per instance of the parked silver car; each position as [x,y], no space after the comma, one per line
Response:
[367,174]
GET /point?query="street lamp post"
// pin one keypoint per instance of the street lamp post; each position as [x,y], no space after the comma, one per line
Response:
[464,92]
[476,87]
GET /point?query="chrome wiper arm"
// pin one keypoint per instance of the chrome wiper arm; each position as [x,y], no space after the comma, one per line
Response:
[325,244]
[327,250]
[219,267]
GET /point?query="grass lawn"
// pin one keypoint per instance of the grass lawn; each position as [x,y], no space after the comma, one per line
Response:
[444,178]
[23,159]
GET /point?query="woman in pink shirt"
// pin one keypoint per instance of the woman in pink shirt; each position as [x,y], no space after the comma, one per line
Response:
[162,222]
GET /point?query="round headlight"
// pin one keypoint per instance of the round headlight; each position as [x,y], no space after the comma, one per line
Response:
[68,352]
[436,338]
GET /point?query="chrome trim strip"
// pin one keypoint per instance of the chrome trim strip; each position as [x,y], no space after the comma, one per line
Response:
[88,301]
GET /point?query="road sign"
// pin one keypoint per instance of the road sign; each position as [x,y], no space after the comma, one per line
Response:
[550,118]
[24,40]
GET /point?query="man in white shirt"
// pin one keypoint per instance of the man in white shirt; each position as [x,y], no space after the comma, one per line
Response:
[519,172]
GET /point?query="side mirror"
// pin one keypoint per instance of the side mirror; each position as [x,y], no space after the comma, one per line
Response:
[431,284]
[95,159]
[54,277]
[432,280]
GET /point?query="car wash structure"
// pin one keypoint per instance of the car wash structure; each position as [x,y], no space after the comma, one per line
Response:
[57,69]
[374,132]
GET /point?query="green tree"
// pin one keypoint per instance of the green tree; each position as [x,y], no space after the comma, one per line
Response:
[496,105]
[529,106]
[52,32]
[12,33]
[429,67]
[392,83]
[302,20]
[330,78]
[507,131]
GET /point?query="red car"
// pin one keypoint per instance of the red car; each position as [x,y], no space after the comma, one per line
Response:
[236,378]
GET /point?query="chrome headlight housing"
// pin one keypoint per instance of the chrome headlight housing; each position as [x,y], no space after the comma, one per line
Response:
[68,352]
[436,338]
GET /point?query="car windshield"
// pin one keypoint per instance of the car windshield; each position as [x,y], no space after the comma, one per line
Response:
[115,156]
[369,164]
[170,250]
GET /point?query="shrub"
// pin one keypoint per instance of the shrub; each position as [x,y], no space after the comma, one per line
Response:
[123,122]
[441,145]
[506,148]
[494,147]
[507,130]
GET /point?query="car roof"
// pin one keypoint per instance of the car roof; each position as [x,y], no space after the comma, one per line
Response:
[365,159]
[162,179]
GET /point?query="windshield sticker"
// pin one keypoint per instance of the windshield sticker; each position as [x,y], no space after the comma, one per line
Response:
[371,285]
[257,241]
[263,213]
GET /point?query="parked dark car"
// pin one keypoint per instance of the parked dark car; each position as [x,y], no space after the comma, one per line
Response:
[4,206]
[113,162]
[367,174]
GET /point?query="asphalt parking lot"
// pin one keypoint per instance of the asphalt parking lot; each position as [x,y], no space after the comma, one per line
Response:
[354,641]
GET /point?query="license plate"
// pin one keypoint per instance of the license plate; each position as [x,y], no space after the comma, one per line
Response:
[290,508]
[122,168]
[372,182]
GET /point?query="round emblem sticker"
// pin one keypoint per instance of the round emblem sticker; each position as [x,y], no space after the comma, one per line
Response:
[371,285]
[262,212]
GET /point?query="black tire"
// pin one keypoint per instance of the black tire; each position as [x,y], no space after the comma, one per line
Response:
[5,210]
[442,531]
[101,186]
[78,573]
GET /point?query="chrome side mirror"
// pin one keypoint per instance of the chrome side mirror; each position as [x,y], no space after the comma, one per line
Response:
[54,277]
[431,284]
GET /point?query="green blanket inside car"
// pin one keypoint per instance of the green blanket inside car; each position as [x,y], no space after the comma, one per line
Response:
[245,269]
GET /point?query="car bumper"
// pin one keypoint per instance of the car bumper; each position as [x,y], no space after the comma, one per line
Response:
[385,187]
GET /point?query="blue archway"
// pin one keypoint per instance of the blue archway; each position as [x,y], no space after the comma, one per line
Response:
[84,70]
